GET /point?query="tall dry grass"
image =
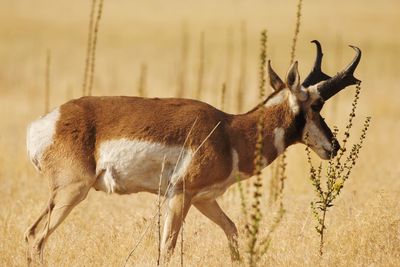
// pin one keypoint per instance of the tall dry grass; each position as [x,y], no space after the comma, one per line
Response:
[278,168]
[89,47]
[47,83]
[364,226]
[93,46]
[142,82]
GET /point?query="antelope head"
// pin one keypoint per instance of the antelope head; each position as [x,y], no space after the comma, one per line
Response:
[310,96]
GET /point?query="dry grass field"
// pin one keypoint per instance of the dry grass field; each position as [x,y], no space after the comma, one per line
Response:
[363,227]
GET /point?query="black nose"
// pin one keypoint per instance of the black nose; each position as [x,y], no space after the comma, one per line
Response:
[335,147]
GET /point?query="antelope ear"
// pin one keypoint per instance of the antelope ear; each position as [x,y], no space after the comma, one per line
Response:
[293,78]
[274,80]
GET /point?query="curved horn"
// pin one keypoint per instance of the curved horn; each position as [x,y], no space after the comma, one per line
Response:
[316,75]
[341,80]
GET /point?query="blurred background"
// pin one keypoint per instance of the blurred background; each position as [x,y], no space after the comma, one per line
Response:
[159,47]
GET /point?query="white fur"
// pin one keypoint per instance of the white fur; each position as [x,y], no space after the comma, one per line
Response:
[277,99]
[313,92]
[294,106]
[235,164]
[316,139]
[279,140]
[40,135]
[109,179]
[281,97]
[129,166]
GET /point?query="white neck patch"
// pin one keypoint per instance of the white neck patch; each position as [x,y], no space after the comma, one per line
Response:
[293,104]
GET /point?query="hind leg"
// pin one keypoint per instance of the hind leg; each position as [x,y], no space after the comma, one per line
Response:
[214,212]
[62,201]
[33,229]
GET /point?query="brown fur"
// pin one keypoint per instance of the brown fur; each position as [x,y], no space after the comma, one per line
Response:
[85,123]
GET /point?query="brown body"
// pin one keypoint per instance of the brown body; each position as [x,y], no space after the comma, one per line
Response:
[119,144]
[87,122]
[84,124]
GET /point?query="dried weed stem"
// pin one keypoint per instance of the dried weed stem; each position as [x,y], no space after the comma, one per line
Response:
[337,172]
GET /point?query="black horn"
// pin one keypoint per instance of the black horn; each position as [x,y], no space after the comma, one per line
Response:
[341,80]
[316,75]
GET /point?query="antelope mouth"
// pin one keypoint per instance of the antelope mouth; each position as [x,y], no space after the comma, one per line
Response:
[330,153]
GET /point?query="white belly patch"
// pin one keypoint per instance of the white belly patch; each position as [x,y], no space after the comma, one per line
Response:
[40,135]
[129,166]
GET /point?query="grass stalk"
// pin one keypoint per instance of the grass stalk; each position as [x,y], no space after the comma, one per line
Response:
[47,83]
[142,92]
[93,47]
[243,200]
[165,194]
[182,221]
[88,48]
[229,57]
[223,94]
[279,171]
[200,74]
[254,216]
[296,31]
[337,172]
[263,65]
[159,212]
[184,61]
[170,186]
[243,67]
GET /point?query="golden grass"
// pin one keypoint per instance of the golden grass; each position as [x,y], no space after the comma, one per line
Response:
[364,226]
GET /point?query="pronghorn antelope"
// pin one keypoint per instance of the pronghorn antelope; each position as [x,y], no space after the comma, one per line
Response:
[118,145]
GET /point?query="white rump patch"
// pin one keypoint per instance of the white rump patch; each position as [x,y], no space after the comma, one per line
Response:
[129,166]
[279,140]
[40,135]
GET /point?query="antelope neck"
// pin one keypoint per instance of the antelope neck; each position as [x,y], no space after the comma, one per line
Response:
[281,129]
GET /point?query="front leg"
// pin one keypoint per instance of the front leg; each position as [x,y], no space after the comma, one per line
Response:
[177,209]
